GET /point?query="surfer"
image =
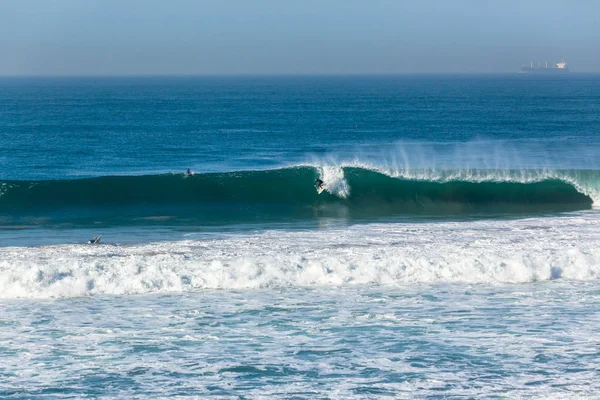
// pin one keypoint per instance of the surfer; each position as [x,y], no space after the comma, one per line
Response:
[319,184]
[95,240]
[188,172]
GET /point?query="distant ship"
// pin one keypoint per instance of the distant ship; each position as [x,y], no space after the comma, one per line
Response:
[556,68]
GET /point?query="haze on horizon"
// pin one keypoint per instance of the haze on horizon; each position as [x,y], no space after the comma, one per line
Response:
[137,37]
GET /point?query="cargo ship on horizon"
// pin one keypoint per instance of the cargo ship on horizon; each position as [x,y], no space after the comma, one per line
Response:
[556,68]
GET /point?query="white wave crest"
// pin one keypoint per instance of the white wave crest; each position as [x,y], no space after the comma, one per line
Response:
[384,254]
[334,180]
[585,182]
[477,161]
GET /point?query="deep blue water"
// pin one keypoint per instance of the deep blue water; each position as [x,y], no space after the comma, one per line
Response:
[57,128]
[453,253]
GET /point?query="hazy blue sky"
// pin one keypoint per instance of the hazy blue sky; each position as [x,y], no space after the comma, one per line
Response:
[108,37]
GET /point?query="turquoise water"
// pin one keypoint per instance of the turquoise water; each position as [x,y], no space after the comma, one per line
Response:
[453,253]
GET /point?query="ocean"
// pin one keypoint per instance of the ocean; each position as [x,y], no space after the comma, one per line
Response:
[454,253]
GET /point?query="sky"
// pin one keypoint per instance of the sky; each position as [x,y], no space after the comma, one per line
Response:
[214,37]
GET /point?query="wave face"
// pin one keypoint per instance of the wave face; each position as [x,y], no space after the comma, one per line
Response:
[288,194]
[484,251]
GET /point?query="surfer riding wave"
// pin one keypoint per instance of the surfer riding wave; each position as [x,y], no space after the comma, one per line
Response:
[320,185]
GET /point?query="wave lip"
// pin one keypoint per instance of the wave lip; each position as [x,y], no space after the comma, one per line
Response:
[287,193]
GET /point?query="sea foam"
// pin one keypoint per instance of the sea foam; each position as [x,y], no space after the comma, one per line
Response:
[502,251]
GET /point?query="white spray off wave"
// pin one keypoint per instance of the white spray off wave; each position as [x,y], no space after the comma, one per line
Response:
[384,254]
[477,161]
[334,180]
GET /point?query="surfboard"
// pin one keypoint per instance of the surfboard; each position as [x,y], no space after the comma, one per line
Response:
[320,189]
[98,239]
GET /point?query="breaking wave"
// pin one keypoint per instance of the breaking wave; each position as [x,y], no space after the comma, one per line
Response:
[287,193]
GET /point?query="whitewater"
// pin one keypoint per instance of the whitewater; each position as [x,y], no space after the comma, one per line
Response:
[493,252]
[409,310]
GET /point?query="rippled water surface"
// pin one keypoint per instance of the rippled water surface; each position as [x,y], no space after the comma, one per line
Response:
[420,341]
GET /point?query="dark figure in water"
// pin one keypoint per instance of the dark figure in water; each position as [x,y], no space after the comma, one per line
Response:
[188,172]
[93,241]
[319,183]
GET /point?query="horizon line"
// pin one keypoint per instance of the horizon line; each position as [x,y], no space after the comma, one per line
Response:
[283,74]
